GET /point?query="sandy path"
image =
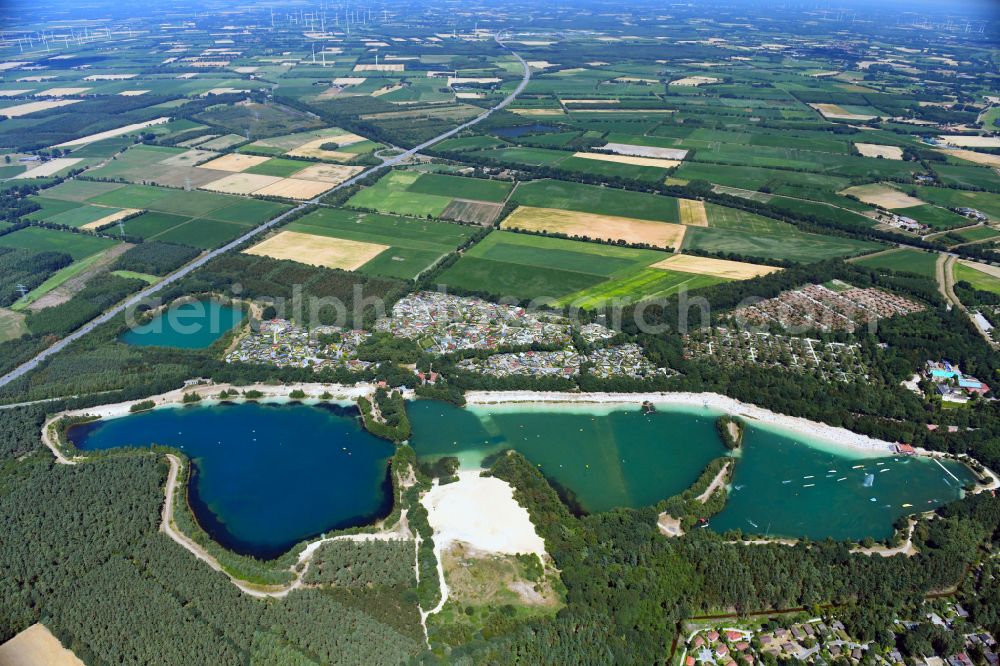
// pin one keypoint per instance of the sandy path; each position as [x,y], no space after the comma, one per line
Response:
[718,481]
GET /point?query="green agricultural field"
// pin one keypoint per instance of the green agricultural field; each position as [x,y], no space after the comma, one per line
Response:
[414,244]
[477,189]
[391,195]
[525,266]
[643,284]
[984,202]
[278,167]
[755,178]
[977,233]
[978,279]
[598,200]
[12,325]
[976,177]
[77,245]
[130,196]
[722,217]
[81,190]
[903,260]
[934,217]
[821,211]
[49,208]
[798,247]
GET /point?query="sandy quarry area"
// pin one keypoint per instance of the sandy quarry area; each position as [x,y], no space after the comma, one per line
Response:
[646,151]
[36,646]
[572,223]
[882,196]
[695,81]
[109,134]
[481,512]
[628,159]
[733,270]
[318,250]
[34,107]
[692,212]
[875,150]
[235,162]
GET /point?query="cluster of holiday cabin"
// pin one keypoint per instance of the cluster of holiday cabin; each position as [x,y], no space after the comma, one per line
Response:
[951,384]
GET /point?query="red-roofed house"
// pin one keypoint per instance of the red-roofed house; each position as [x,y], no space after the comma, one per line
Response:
[748,658]
[742,645]
[712,636]
[733,635]
[698,641]
[689,661]
[722,650]
[905,449]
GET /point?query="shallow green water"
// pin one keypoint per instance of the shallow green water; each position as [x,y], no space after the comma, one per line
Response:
[785,488]
[616,458]
[190,325]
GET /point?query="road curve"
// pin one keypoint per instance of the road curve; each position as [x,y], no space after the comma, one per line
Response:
[55,348]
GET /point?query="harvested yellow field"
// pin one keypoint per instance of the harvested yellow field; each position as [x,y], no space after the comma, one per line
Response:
[381,67]
[313,148]
[61,92]
[723,268]
[603,227]
[235,162]
[112,218]
[132,93]
[875,150]
[613,100]
[972,141]
[985,159]
[328,173]
[538,112]
[630,159]
[34,107]
[49,168]
[695,81]
[349,80]
[836,112]
[314,250]
[34,646]
[644,111]
[387,90]
[13,93]
[109,134]
[241,183]
[882,196]
[693,212]
[295,188]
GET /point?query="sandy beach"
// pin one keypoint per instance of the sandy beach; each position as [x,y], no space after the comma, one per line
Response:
[713,401]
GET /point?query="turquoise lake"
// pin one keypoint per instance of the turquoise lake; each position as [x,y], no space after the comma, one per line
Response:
[265,476]
[269,475]
[190,325]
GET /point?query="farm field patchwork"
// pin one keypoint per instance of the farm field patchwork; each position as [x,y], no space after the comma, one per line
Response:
[315,250]
[976,275]
[429,194]
[902,259]
[799,247]
[597,227]
[76,245]
[597,200]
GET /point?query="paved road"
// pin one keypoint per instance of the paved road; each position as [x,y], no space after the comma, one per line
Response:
[201,261]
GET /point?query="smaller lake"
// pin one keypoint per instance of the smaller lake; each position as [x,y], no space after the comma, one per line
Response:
[521,130]
[266,476]
[189,325]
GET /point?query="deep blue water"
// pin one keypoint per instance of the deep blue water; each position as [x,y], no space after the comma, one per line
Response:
[264,476]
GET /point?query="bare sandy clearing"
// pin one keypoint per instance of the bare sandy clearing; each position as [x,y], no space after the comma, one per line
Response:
[882,196]
[36,646]
[838,113]
[572,223]
[34,107]
[132,93]
[109,134]
[318,250]
[109,219]
[695,81]
[13,93]
[349,80]
[481,512]
[295,188]
[629,159]
[241,183]
[693,212]
[538,112]
[646,151]
[236,162]
[733,270]
[386,90]
[876,150]
[328,173]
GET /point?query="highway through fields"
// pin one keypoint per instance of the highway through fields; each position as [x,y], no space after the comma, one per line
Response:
[55,348]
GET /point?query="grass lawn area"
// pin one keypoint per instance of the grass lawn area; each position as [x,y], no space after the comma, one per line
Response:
[645,283]
[391,195]
[278,167]
[977,233]
[598,200]
[478,189]
[75,245]
[800,247]
[722,217]
[903,259]
[978,279]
